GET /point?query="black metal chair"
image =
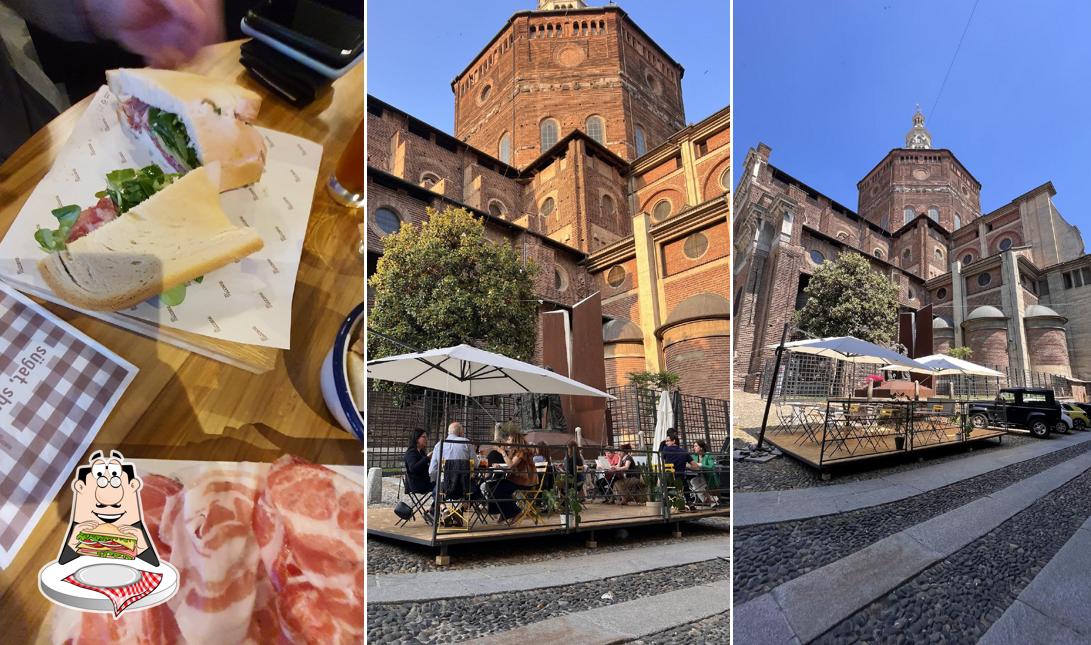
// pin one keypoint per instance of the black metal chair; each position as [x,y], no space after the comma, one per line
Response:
[418,502]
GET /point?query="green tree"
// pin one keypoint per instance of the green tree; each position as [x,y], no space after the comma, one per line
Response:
[444,283]
[963,352]
[846,297]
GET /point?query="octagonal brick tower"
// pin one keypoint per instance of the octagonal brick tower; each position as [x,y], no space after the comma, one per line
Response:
[567,66]
[919,180]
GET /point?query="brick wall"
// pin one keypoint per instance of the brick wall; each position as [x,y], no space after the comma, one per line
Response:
[990,346]
[704,365]
[1048,350]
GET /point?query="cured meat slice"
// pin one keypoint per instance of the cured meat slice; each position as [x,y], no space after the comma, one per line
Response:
[135,112]
[92,217]
[214,549]
[310,527]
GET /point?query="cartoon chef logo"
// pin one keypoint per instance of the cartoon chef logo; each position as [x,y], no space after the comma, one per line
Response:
[107,520]
[108,561]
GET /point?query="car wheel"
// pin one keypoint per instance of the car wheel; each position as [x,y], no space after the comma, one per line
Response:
[1079,423]
[979,421]
[1039,428]
[1061,427]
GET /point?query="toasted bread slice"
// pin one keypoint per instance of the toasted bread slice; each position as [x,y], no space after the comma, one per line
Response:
[178,234]
[216,115]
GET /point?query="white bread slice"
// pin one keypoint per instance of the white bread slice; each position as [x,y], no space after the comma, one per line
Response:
[225,137]
[178,234]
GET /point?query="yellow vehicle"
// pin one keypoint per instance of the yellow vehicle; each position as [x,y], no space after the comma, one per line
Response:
[1078,414]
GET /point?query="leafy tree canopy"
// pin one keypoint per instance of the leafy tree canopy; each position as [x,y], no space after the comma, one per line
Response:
[963,352]
[846,297]
[444,283]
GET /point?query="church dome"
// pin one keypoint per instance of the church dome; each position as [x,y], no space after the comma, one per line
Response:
[1038,311]
[621,329]
[940,323]
[702,305]
[985,311]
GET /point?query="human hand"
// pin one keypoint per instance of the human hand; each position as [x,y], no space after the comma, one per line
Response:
[166,33]
[82,526]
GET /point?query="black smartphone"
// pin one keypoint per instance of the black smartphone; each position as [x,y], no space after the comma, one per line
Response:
[331,32]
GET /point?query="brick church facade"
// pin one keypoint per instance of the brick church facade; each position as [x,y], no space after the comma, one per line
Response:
[1014,284]
[570,142]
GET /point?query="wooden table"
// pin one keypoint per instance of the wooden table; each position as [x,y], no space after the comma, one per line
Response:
[185,406]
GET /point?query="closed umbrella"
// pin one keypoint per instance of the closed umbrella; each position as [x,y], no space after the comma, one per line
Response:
[664,418]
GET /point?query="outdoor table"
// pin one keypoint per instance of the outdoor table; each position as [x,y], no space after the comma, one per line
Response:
[185,406]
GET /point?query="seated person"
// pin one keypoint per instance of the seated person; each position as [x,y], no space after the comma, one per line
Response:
[703,464]
[416,463]
[457,451]
[573,463]
[676,455]
[541,453]
[671,434]
[521,475]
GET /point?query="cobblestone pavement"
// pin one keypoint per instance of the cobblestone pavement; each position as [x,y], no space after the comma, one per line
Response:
[958,599]
[712,630]
[386,557]
[771,554]
[456,619]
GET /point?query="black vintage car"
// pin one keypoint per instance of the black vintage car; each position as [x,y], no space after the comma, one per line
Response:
[1032,409]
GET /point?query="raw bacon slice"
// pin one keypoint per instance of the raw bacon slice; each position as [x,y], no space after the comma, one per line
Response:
[93,217]
[214,549]
[310,527]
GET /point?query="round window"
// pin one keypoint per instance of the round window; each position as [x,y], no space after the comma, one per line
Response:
[984,279]
[878,253]
[696,245]
[615,277]
[941,293]
[967,259]
[547,207]
[387,220]
[1005,244]
[817,257]
[662,210]
[560,279]
[485,92]
[607,206]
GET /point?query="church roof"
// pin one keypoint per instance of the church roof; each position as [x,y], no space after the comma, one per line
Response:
[985,311]
[1035,311]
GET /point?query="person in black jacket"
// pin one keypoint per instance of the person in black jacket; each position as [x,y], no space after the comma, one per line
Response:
[416,463]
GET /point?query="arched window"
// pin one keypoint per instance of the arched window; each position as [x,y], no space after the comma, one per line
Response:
[596,128]
[497,208]
[549,134]
[504,149]
[907,257]
[429,179]
[547,207]
[909,213]
[608,207]
[939,254]
[958,221]
[878,253]
[933,214]
[641,142]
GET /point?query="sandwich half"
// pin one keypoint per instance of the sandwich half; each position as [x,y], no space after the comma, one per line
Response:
[107,541]
[192,120]
[176,235]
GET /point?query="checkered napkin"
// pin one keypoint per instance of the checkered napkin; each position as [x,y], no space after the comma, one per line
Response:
[122,597]
[46,424]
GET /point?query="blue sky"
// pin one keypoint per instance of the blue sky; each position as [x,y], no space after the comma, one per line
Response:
[416,47]
[831,86]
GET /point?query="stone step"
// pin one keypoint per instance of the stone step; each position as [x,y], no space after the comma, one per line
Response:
[807,606]
[433,585]
[785,505]
[624,621]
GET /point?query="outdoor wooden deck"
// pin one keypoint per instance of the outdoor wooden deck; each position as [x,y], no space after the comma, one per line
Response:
[855,450]
[381,522]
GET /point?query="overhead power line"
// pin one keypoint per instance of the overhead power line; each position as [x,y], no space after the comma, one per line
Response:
[932,112]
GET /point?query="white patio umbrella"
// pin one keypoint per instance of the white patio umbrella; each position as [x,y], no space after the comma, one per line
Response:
[474,372]
[664,418]
[853,350]
[944,365]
